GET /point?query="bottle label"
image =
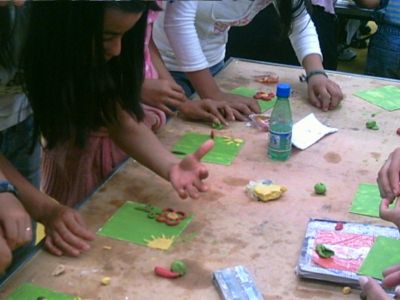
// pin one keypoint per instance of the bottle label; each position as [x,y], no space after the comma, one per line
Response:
[280,141]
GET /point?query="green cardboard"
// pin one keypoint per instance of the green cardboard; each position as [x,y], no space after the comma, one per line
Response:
[250,92]
[224,151]
[30,291]
[383,254]
[367,200]
[387,97]
[133,225]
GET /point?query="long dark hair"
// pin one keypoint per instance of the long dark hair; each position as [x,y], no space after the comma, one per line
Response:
[71,88]
[7,28]
[289,9]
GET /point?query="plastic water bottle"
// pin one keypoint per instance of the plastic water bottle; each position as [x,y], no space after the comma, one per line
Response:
[281,124]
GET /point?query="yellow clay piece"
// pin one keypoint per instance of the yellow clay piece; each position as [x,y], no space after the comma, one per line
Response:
[346,290]
[269,192]
[105,280]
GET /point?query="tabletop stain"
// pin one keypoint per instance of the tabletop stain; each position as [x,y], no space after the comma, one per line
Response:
[332,157]
[376,155]
[235,181]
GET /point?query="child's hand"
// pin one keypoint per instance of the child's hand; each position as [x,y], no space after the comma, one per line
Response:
[162,94]
[388,176]
[187,176]
[5,253]
[390,214]
[66,232]
[207,110]
[15,221]
[374,291]
[324,93]
[241,106]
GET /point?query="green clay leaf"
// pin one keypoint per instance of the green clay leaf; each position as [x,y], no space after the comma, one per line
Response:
[323,251]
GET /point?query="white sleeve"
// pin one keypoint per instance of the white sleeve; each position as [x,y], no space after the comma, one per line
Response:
[304,37]
[179,26]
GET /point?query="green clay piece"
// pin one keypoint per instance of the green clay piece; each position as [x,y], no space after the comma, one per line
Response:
[217,126]
[371,124]
[323,251]
[179,267]
[320,188]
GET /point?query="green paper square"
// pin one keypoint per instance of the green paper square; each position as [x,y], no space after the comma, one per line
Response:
[30,291]
[383,254]
[250,92]
[244,91]
[367,200]
[224,151]
[133,225]
[387,97]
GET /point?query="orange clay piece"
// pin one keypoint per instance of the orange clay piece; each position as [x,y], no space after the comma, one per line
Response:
[268,79]
[171,217]
[264,96]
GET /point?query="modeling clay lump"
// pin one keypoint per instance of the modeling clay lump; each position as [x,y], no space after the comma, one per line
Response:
[217,126]
[179,267]
[324,251]
[269,192]
[371,124]
[320,188]
[264,96]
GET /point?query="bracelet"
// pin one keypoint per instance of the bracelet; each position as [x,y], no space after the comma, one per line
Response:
[316,72]
[7,187]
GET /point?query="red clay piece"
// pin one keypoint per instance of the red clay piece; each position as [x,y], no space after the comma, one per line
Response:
[339,226]
[212,134]
[264,96]
[268,78]
[398,131]
[165,273]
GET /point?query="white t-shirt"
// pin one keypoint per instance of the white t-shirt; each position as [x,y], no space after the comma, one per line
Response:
[14,105]
[192,35]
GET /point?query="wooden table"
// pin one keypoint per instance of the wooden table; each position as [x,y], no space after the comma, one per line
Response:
[230,229]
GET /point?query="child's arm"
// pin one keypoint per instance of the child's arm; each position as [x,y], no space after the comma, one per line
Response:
[179,25]
[323,93]
[15,222]
[389,187]
[163,92]
[186,175]
[65,229]
[205,110]
[5,253]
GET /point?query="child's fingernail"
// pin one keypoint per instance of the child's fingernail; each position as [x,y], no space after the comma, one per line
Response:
[397,290]
[363,280]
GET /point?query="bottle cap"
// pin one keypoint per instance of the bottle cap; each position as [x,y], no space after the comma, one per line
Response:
[283,90]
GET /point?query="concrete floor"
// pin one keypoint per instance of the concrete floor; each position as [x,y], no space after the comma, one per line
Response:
[357,65]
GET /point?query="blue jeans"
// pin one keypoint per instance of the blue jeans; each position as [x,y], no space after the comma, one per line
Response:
[383,58]
[183,81]
[16,145]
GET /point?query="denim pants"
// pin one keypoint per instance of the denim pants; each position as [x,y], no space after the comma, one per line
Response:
[16,145]
[383,58]
[183,81]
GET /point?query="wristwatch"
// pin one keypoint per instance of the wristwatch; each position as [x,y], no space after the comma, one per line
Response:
[7,187]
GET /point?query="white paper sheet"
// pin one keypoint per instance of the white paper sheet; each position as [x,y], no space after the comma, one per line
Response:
[308,131]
